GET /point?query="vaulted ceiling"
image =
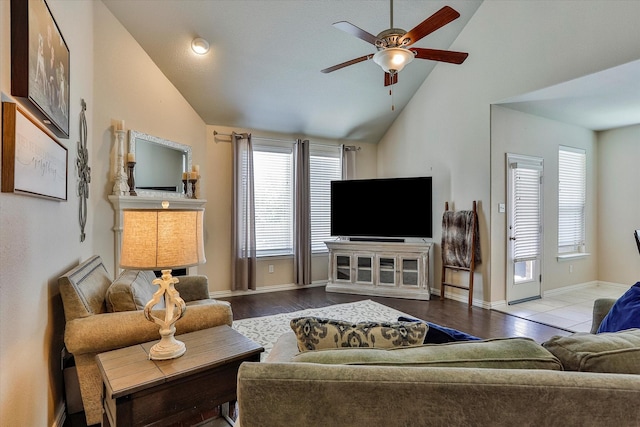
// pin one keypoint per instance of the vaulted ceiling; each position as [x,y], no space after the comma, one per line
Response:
[263,69]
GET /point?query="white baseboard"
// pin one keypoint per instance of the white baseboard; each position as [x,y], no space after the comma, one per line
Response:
[579,286]
[622,286]
[461,297]
[568,288]
[264,289]
[435,292]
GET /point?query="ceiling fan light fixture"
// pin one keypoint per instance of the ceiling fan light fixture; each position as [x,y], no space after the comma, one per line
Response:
[393,59]
[200,46]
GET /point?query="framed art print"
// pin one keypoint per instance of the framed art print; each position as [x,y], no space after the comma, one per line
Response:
[33,161]
[40,64]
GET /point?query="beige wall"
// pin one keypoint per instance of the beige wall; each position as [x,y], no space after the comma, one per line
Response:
[619,204]
[519,133]
[40,240]
[129,86]
[514,47]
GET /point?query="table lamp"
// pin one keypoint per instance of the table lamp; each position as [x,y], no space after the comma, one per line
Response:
[163,239]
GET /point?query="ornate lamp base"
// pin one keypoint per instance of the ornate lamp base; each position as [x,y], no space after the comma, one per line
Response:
[168,347]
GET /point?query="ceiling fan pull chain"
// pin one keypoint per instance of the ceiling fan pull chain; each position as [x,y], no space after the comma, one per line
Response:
[393,107]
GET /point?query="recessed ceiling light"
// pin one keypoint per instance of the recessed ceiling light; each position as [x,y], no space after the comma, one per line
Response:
[200,46]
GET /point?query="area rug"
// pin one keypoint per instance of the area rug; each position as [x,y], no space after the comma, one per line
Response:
[267,329]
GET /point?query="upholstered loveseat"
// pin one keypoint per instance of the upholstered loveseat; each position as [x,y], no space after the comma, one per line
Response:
[102,315]
[501,382]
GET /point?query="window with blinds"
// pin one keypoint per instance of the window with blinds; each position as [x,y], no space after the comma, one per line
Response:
[526,211]
[325,166]
[273,165]
[273,182]
[572,188]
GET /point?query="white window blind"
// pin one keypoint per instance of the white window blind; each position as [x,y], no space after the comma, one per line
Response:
[571,199]
[325,166]
[273,181]
[526,211]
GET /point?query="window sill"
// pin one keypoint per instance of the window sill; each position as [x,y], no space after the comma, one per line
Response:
[274,256]
[572,257]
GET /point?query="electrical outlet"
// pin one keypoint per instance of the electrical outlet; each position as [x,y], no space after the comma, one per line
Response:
[570,268]
[270,268]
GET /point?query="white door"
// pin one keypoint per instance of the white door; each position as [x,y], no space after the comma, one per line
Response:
[524,227]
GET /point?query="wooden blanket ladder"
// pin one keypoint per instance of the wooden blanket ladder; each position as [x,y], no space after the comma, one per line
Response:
[472,265]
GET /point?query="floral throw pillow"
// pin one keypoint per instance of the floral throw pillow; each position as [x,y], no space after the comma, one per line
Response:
[315,333]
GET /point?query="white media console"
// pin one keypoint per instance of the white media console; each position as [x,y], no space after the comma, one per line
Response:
[390,269]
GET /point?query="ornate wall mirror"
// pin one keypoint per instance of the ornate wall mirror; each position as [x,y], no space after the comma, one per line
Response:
[159,164]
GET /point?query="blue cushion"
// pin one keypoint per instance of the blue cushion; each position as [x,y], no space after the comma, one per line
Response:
[625,313]
[437,334]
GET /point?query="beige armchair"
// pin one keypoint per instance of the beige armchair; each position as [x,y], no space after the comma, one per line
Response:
[92,329]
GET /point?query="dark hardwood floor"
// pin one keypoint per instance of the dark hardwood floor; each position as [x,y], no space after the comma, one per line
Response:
[453,314]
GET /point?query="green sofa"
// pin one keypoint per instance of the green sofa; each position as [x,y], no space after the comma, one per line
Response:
[500,382]
[102,315]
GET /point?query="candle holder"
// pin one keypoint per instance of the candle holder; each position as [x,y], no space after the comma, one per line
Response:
[187,188]
[132,179]
[193,188]
[120,186]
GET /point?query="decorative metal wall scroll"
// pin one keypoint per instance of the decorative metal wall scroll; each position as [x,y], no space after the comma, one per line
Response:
[84,172]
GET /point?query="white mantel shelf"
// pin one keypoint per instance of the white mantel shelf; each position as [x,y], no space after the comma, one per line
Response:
[120,203]
[138,202]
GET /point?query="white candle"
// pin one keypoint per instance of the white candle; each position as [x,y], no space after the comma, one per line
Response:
[196,169]
[131,157]
[119,124]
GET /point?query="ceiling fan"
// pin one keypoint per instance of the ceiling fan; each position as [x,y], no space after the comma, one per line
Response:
[394,51]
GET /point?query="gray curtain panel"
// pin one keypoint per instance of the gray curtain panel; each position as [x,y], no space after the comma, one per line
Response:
[302,215]
[348,154]
[243,272]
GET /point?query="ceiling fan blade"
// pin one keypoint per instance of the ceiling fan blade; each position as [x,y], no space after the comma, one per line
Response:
[348,27]
[389,79]
[347,63]
[429,25]
[440,55]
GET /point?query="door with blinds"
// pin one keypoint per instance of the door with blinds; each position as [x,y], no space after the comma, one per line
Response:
[524,228]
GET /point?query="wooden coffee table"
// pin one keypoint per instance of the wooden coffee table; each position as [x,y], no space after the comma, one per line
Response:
[138,391]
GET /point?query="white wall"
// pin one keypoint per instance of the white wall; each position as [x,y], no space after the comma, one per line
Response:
[40,240]
[619,204]
[514,47]
[520,133]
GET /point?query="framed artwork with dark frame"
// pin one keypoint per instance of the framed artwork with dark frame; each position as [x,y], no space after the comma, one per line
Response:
[34,163]
[40,64]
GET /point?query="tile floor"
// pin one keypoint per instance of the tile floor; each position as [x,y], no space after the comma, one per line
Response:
[571,309]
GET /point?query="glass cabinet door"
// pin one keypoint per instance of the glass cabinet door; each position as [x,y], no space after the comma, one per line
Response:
[410,272]
[364,269]
[343,267]
[386,270]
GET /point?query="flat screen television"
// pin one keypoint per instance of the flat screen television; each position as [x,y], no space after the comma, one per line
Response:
[387,208]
